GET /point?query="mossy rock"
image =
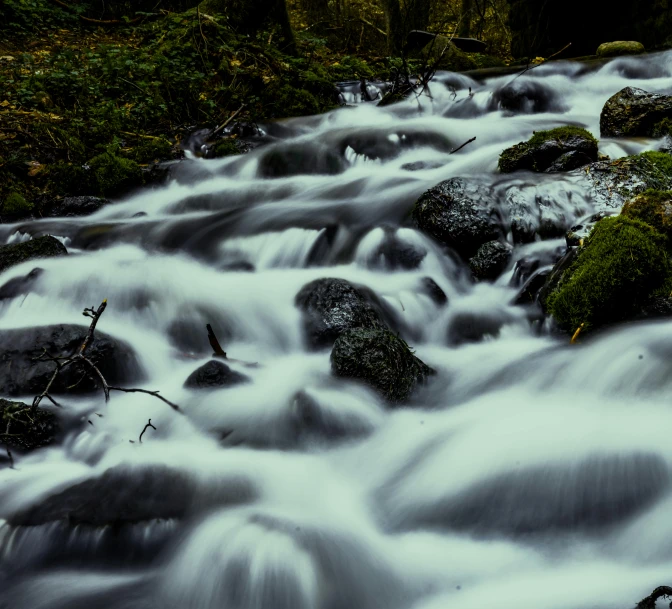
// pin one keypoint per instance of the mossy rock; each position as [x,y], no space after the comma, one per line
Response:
[381,360]
[444,55]
[29,428]
[114,174]
[42,247]
[16,205]
[622,263]
[225,147]
[620,47]
[150,150]
[654,207]
[545,148]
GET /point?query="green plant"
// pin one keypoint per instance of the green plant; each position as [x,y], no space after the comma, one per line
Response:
[15,204]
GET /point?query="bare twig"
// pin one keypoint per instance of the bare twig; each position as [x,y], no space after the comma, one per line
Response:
[149,424]
[148,392]
[536,65]
[650,601]
[10,456]
[462,146]
[227,121]
[214,343]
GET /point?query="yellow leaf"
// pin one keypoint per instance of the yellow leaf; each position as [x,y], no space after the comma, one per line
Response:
[4,104]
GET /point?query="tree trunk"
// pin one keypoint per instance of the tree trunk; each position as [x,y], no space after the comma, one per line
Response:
[418,12]
[466,14]
[317,10]
[395,26]
[252,16]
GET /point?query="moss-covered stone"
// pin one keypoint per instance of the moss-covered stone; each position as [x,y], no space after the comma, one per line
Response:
[150,150]
[446,56]
[620,47]
[16,205]
[42,247]
[622,263]
[28,428]
[654,207]
[634,112]
[381,360]
[544,149]
[115,175]
[225,147]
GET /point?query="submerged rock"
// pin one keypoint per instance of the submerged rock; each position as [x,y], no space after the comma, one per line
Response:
[41,247]
[214,375]
[525,96]
[20,285]
[634,112]
[490,260]
[620,47]
[331,307]
[560,149]
[21,374]
[434,291]
[460,214]
[381,360]
[28,428]
[622,263]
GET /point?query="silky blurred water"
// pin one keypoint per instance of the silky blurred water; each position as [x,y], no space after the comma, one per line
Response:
[528,474]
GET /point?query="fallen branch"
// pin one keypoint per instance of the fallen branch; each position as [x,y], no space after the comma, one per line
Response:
[462,146]
[227,121]
[149,424]
[536,65]
[93,371]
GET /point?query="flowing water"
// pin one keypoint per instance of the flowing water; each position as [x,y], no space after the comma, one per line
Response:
[528,474]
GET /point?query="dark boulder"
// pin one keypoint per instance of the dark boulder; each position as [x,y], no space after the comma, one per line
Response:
[560,149]
[434,291]
[41,247]
[20,374]
[214,375]
[28,428]
[474,326]
[71,207]
[285,160]
[395,253]
[20,285]
[523,96]
[634,112]
[490,260]
[460,214]
[380,360]
[333,306]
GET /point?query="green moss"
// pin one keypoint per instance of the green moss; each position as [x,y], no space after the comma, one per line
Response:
[662,128]
[150,150]
[225,147]
[659,162]
[15,204]
[115,175]
[654,207]
[560,134]
[527,155]
[621,264]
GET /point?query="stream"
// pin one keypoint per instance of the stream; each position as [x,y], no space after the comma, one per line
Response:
[527,474]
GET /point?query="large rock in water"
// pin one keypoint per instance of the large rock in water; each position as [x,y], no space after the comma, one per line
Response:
[29,429]
[214,375]
[381,360]
[42,247]
[634,112]
[331,307]
[458,213]
[560,149]
[71,207]
[21,374]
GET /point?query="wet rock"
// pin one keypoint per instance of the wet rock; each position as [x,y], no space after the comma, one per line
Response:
[490,260]
[474,326]
[658,307]
[28,428]
[214,375]
[394,254]
[611,183]
[41,247]
[331,307]
[622,263]
[380,360]
[560,149]
[20,285]
[524,96]
[306,159]
[434,291]
[578,233]
[529,293]
[71,207]
[554,278]
[634,112]
[460,214]
[20,374]
[620,47]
